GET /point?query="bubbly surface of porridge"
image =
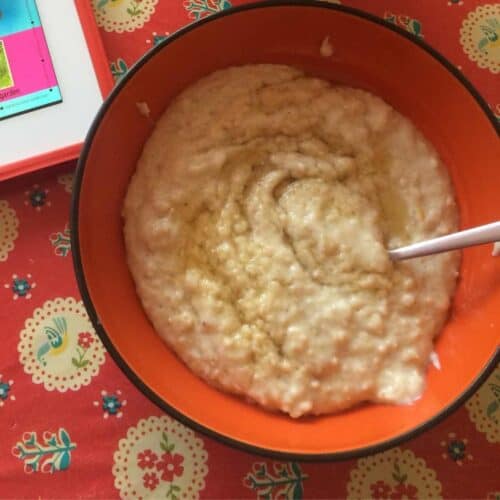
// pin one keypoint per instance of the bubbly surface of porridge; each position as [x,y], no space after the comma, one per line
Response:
[256,228]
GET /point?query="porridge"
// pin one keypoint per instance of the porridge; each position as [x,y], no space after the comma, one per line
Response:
[256,229]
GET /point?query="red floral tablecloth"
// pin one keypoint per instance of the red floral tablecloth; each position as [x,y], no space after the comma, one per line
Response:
[72,425]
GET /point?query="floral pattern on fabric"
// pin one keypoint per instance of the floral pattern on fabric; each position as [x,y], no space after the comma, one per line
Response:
[201,8]
[5,391]
[160,458]
[120,16]
[37,197]
[157,38]
[393,474]
[413,26]
[118,69]
[484,407]
[496,112]
[61,241]
[50,454]
[111,404]
[283,481]
[21,286]
[456,449]
[480,36]
[67,181]
[58,346]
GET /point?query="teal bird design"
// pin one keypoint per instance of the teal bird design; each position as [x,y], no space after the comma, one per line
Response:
[492,35]
[112,3]
[57,340]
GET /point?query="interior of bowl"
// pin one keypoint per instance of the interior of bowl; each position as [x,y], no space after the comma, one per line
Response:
[367,55]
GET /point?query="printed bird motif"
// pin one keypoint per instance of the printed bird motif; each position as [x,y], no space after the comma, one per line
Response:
[112,3]
[57,340]
[492,34]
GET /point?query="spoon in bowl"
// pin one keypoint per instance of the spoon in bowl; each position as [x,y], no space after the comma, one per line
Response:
[488,233]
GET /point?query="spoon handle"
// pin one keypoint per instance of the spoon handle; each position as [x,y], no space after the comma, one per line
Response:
[475,236]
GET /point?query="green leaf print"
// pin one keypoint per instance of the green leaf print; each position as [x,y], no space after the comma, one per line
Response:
[134,8]
[134,11]
[298,491]
[491,410]
[286,481]
[165,445]
[118,68]
[494,406]
[201,8]
[399,476]
[171,493]
[80,362]
[412,25]
[415,27]
[64,437]
[63,461]
[61,242]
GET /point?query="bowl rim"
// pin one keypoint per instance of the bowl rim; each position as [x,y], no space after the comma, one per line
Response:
[82,284]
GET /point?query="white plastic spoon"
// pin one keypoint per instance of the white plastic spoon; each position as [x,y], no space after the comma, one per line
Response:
[479,235]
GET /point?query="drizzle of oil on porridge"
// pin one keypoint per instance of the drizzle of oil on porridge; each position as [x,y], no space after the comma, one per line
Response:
[256,228]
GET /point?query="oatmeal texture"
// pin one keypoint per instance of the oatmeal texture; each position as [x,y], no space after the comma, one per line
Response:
[256,228]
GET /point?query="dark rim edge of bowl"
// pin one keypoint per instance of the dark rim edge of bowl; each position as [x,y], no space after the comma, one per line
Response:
[82,285]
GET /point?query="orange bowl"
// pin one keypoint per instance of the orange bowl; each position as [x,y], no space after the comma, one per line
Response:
[368,54]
